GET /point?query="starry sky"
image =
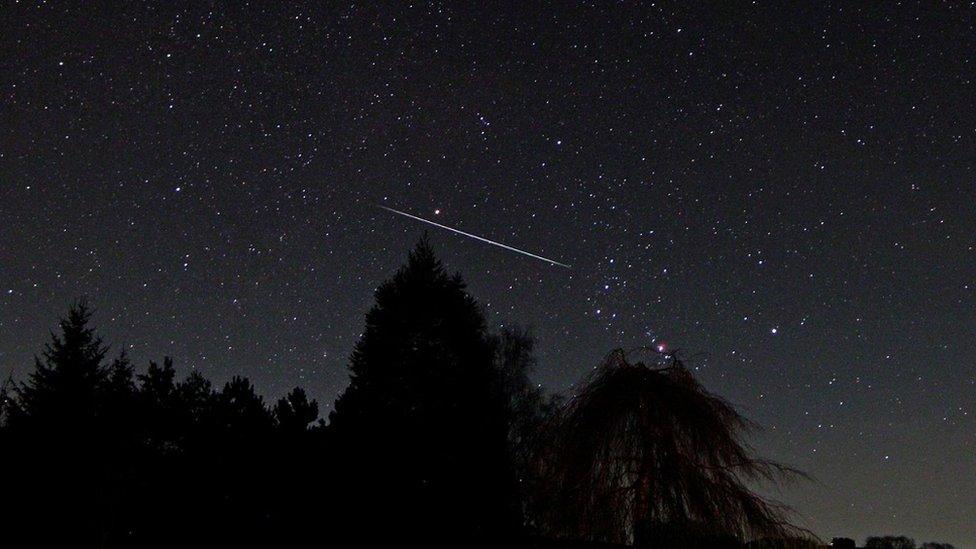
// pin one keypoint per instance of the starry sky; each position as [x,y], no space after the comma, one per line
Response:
[784,193]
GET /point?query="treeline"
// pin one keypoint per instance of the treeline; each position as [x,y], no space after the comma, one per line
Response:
[97,456]
[440,440]
[888,542]
[420,447]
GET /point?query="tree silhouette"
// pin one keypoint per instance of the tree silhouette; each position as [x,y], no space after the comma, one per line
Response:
[6,400]
[783,542]
[889,542]
[241,410]
[644,454]
[62,391]
[528,407]
[57,429]
[302,489]
[294,412]
[526,403]
[104,458]
[422,425]
[440,440]
[159,407]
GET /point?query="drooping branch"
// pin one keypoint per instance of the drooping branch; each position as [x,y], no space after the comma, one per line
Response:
[639,447]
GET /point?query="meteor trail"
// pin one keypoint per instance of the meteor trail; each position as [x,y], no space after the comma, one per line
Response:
[476,237]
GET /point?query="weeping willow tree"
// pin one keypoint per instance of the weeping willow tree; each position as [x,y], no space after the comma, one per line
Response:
[644,454]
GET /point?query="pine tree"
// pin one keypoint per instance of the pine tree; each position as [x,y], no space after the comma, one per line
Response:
[295,412]
[58,430]
[196,401]
[159,406]
[118,408]
[242,411]
[62,392]
[422,422]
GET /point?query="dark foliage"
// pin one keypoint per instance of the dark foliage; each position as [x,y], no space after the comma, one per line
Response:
[528,407]
[295,412]
[784,542]
[901,542]
[421,447]
[423,427]
[935,545]
[58,436]
[889,542]
[99,457]
[440,440]
[643,453]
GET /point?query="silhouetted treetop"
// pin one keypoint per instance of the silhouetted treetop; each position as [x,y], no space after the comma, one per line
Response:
[159,382]
[120,375]
[241,409]
[640,448]
[295,412]
[889,542]
[936,545]
[440,440]
[62,391]
[424,336]
[423,420]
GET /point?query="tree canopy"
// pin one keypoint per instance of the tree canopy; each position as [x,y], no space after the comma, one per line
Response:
[644,452]
[441,439]
[423,424]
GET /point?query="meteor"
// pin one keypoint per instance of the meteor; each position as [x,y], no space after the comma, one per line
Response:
[476,237]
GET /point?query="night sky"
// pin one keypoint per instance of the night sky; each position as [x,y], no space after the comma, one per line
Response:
[787,195]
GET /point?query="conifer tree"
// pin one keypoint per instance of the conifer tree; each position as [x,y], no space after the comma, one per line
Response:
[241,410]
[423,423]
[62,391]
[295,412]
[58,433]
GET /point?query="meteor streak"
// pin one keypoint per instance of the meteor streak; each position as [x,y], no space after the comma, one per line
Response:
[476,237]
